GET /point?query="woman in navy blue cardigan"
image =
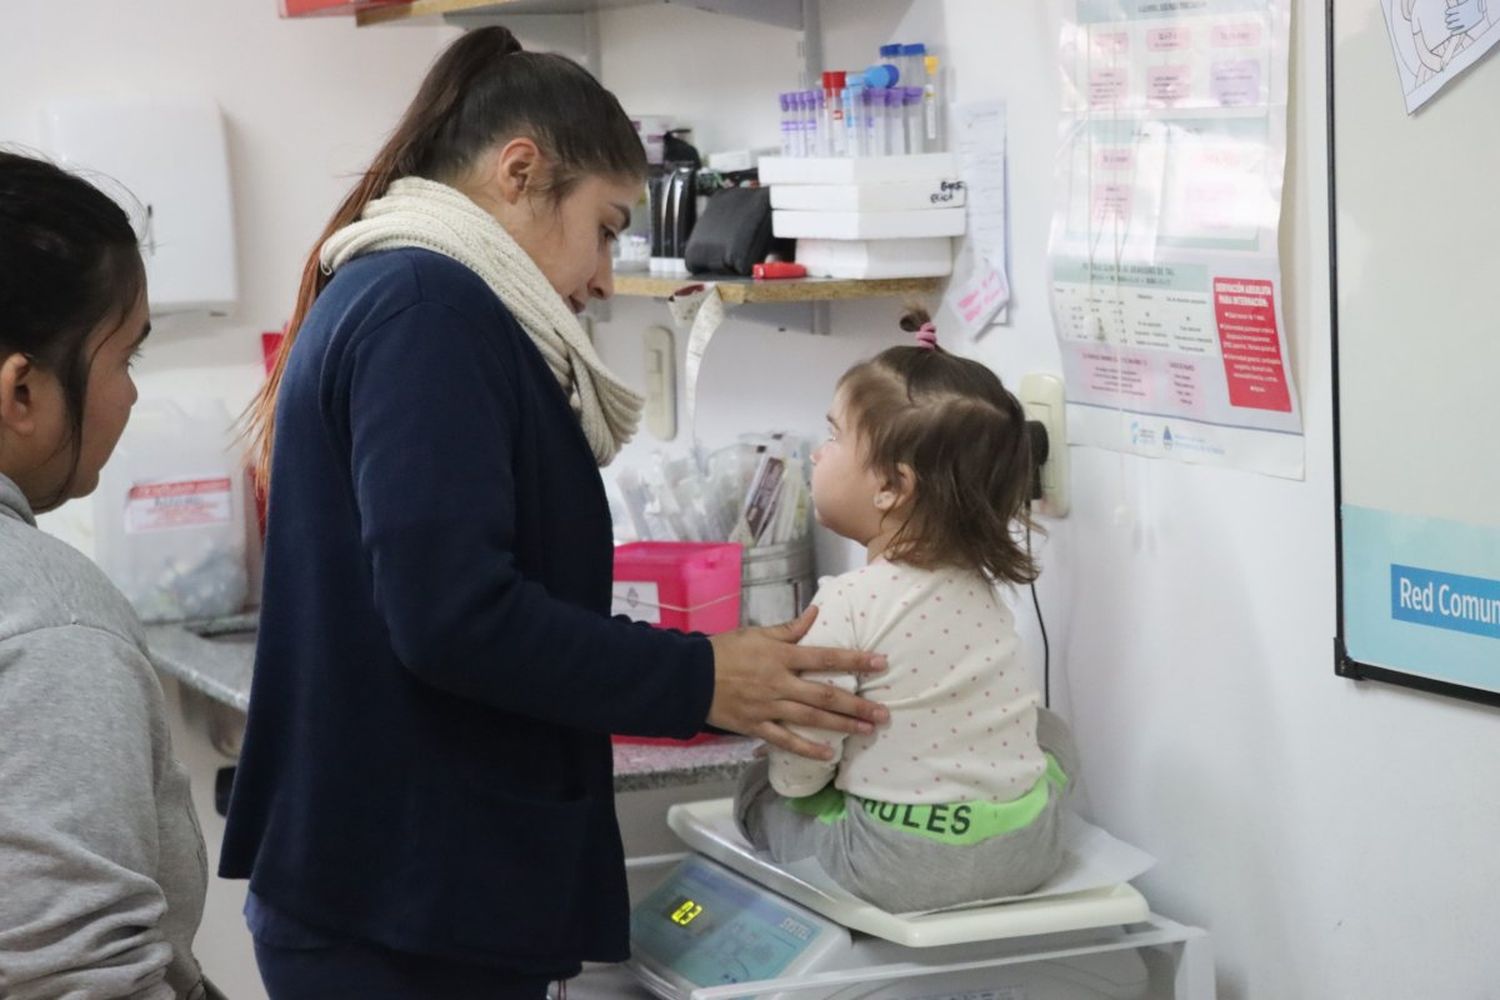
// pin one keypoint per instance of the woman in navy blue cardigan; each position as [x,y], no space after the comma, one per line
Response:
[424,805]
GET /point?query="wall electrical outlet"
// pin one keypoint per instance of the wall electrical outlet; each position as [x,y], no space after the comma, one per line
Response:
[1043,399]
[661,382]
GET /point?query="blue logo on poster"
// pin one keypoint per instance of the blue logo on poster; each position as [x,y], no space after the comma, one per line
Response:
[1446,600]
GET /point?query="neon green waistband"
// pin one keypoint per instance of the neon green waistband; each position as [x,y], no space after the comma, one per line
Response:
[958,823]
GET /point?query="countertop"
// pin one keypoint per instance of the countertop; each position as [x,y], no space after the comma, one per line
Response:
[216,658]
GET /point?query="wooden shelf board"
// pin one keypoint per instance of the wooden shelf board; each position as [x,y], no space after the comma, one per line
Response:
[738,291]
[431,8]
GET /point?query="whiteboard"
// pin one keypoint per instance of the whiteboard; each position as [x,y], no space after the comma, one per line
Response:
[1416,277]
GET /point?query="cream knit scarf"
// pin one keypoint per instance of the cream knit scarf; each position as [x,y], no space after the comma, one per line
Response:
[421,213]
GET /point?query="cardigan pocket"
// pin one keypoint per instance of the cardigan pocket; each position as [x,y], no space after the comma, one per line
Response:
[511,867]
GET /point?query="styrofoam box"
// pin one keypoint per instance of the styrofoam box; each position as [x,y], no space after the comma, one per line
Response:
[868,225]
[897,196]
[856,170]
[931,257]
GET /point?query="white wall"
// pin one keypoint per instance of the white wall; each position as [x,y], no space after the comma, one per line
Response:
[1336,838]
[306,103]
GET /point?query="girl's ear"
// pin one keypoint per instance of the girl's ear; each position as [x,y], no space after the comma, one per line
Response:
[17,395]
[898,490]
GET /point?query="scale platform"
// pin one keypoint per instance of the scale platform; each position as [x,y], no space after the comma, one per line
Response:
[708,828]
[726,924]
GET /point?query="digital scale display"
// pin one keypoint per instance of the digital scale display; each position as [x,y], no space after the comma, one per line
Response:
[706,927]
[686,912]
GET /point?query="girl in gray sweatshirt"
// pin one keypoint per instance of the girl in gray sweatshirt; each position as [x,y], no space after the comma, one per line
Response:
[102,868]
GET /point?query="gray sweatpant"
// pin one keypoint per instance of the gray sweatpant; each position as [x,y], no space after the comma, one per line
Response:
[900,872]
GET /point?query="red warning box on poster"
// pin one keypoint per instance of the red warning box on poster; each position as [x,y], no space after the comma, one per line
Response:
[1246,314]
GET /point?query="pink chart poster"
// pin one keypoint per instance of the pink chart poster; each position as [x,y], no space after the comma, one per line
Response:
[1166,282]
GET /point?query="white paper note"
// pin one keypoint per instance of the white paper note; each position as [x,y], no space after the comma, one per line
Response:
[704,309]
[977,294]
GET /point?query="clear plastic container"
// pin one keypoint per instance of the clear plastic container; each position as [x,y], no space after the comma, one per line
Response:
[786,123]
[854,119]
[895,121]
[170,513]
[932,107]
[913,72]
[916,131]
[880,122]
[833,112]
[869,104]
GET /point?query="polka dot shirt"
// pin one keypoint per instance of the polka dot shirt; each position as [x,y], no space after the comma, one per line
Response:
[963,711]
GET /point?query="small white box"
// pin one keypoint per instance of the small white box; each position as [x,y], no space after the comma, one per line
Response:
[856,170]
[734,160]
[868,225]
[896,196]
[921,258]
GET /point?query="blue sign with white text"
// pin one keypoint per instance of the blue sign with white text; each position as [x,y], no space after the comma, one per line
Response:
[1422,596]
[1445,600]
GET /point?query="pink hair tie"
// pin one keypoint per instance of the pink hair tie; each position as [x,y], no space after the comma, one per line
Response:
[927,336]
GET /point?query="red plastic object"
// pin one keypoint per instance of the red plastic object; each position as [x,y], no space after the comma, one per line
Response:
[778,269]
[270,345]
[663,741]
[312,8]
[688,586]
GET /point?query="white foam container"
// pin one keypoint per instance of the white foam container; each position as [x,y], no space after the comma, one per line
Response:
[857,170]
[930,257]
[868,225]
[894,196]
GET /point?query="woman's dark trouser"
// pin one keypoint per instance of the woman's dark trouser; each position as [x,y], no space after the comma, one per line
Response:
[361,972]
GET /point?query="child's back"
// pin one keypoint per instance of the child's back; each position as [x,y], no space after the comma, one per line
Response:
[963,712]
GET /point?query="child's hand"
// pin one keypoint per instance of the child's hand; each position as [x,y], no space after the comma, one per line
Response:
[758,689]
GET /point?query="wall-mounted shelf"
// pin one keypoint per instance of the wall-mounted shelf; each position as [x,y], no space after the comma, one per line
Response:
[738,291]
[571,26]
[781,13]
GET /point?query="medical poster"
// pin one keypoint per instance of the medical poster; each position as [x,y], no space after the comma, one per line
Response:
[1436,40]
[979,293]
[1166,281]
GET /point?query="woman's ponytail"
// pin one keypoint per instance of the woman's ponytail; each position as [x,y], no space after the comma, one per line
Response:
[418,146]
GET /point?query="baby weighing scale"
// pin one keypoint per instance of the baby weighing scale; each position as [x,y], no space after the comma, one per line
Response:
[728,923]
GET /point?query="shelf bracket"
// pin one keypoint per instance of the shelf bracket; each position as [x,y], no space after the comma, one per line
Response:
[822,319]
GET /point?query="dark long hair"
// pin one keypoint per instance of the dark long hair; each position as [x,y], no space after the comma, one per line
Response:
[483,90]
[964,436]
[69,262]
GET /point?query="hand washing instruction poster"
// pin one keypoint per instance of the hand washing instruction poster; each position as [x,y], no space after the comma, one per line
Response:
[1436,40]
[1166,283]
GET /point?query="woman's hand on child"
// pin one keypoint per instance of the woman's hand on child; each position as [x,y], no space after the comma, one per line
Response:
[759,690]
